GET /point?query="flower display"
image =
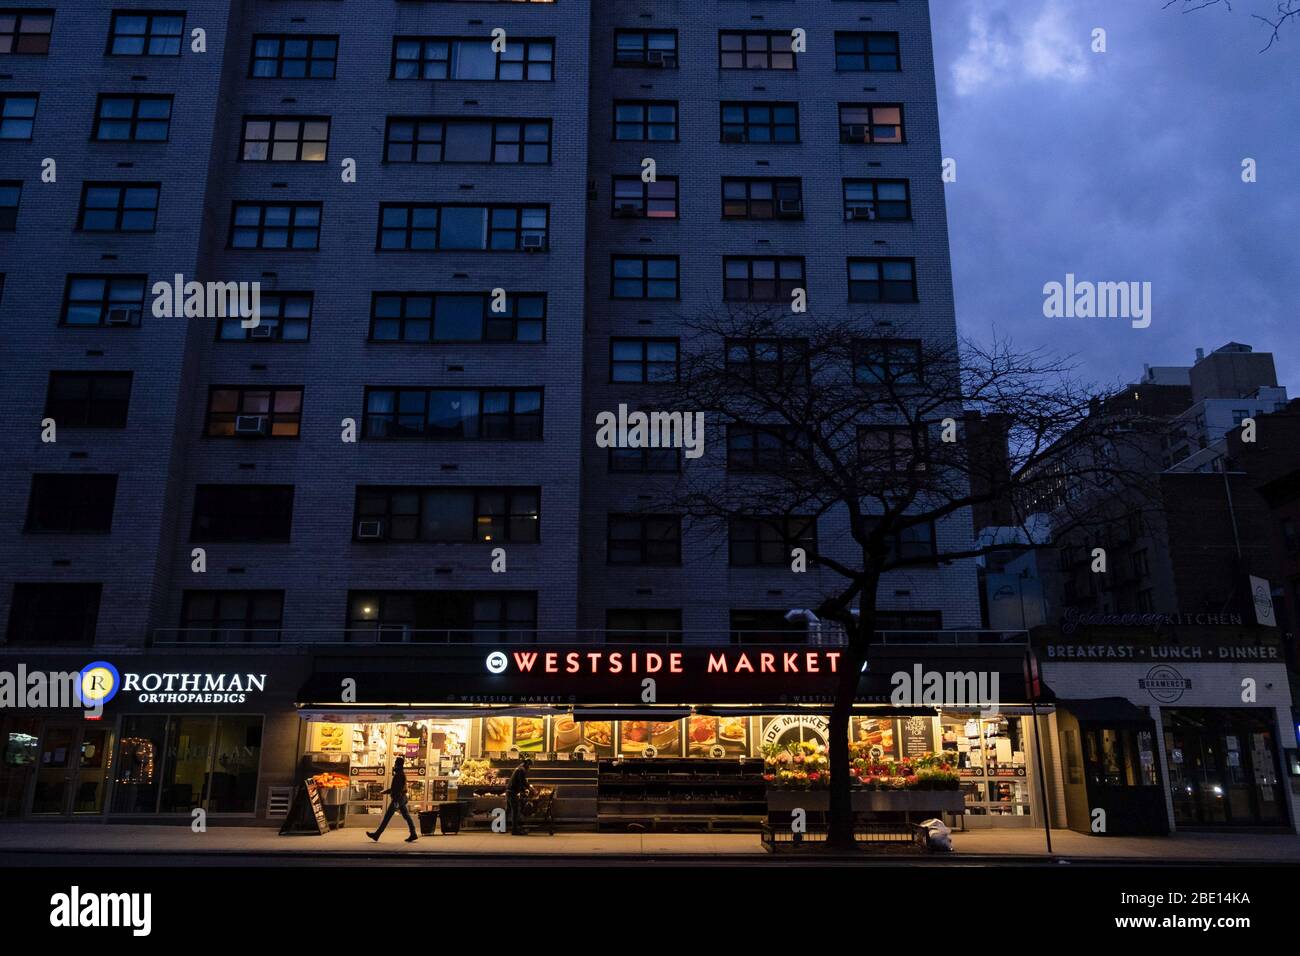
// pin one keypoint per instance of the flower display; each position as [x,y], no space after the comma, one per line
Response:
[922,772]
[797,766]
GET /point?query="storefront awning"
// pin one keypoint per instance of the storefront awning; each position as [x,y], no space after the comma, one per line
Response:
[1112,709]
[373,714]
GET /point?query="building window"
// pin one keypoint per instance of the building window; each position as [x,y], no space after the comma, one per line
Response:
[118,207]
[761,279]
[763,449]
[634,198]
[755,50]
[644,539]
[242,513]
[71,504]
[762,198]
[882,280]
[907,544]
[259,225]
[642,625]
[456,317]
[643,360]
[645,461]
[449,58]
[90,300]
[54,614]
[887,361]
[644,277]
[133,118]
[767,542]
[11,192]
[415,227]
[768,361]
[253,412]
[867,52]
[871,123]
[452,515]
[453,414]
[290,57]
[222,617]
[431,139]
[442,616]
[26,31]
[178,764]
[284,317]
[760,122]
[17,115]
[766,626]
[88,399]
[285,139]
[886,200]
[892,449]
[645,121]
[146,34]
[655,48]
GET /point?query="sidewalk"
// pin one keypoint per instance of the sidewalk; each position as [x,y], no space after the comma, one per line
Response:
[992,845]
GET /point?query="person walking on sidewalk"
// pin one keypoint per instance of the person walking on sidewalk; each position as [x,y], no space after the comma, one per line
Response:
[396,802]
[515,793]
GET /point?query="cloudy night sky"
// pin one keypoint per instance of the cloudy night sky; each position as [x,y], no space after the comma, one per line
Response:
[1123,166]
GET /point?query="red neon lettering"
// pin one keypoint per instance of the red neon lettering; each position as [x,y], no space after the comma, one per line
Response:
[717,663]
[525,661]
[834,658]
[571,662]
[790,663]
[675,662]
[594,657]
[551,667]
[767,663]
[653,663]
[743,664]
[616,663]
[812,662]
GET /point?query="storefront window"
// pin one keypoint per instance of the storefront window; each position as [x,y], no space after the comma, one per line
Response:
[991,759]
[175,764]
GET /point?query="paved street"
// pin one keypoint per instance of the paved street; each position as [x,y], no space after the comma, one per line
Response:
[31,844]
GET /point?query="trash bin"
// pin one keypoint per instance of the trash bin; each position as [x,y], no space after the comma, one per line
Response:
[428,821]
[450,818]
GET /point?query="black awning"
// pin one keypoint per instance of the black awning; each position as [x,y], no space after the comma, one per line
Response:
[1118,710]
[581,713]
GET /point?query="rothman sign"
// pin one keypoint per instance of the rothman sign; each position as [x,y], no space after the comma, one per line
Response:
[99,682]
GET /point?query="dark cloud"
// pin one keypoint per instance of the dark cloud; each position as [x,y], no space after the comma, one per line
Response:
[1124,165]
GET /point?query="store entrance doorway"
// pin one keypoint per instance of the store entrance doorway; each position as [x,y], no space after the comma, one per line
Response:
[1223,768]
[70,770]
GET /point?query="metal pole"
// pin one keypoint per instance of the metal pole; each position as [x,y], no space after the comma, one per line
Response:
[1042,778]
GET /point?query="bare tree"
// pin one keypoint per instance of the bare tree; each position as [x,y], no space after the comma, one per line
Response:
[857,429]
[1283,12]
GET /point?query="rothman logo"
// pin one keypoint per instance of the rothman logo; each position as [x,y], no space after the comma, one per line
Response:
[102,910]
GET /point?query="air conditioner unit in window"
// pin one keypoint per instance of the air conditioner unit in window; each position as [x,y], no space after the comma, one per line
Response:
[395,633]
[250,425]
[862,212]
[534,243]
[627,210]
[263,330]
[790,207]
[370,529]
[123,316]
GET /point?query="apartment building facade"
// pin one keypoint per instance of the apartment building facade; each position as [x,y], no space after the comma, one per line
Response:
[459,264]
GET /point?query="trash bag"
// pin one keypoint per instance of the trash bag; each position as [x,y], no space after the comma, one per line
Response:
[934,835]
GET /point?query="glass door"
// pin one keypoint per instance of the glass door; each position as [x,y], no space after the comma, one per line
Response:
[20,738]
[1223,768]
[70,773]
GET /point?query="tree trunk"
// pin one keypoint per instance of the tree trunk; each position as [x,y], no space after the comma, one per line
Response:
[858,634]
